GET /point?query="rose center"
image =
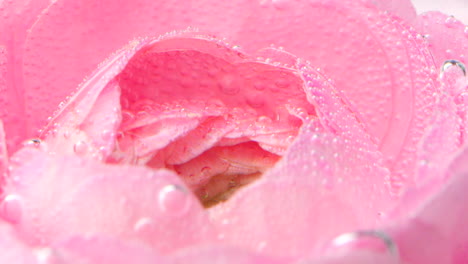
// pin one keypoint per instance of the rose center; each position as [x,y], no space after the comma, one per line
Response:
[216,118]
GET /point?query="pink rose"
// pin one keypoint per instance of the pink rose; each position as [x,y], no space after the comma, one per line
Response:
[269,131]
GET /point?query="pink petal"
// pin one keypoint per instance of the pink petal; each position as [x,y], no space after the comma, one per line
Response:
[99,250]
[13,251]
[180,99]
[436,232]
[402,8]
[323,186]
[363,51]
[3,156]
[457,8]
[62,196]
[110,26]
[369,70]
[447,37]
[16,17]
[221,255]
[442,140]
[356,256]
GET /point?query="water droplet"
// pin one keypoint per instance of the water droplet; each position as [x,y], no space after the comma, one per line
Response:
[260,86]
[255,101]
[264,119]
[35,142]
[80,148]
[47,256]
[262,245]
[107,135]
[449,53]
[11,209]
[228,85]
[174,200]
[450,63]
[371,236]
[144,225]
[282,83]
[451,22]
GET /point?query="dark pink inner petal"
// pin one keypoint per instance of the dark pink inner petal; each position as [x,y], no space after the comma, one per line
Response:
[208,112]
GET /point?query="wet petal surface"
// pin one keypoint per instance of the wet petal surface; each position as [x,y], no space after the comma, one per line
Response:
[54,197]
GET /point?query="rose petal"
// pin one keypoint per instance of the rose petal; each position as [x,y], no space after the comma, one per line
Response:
[441,143]
[401,8]
[356,256]
[16,17]
[99,249]
[62,196]
[221,255]
[315,188]
[3,156]
[457,8]
[363,51]
[111,25]
[13,250]
[446,35]
[436,232]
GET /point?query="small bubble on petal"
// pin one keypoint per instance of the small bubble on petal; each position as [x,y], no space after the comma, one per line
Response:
[174,200]
[11,209]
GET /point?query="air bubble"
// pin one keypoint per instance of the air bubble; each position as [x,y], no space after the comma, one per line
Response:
[80,148]
[143,225]
[450,63]
[174,200]
[35,142]
[11,209]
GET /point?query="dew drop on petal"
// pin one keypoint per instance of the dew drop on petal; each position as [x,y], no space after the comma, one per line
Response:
[33,143]
[451,22]
[80,148]
[11,209]
[174,200]
[228,85]
[46,256]
[107,135]
[143,225]
[450,63]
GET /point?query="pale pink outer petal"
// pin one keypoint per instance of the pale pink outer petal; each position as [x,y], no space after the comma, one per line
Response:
[221,255]
[446,135]
[101,249]
[437,232]
[442,141]
[62,196]
[380,64]
[109,25]
[355,256]
[402,8]
[457,8]
[13,251]
[446,35]
[3,157]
